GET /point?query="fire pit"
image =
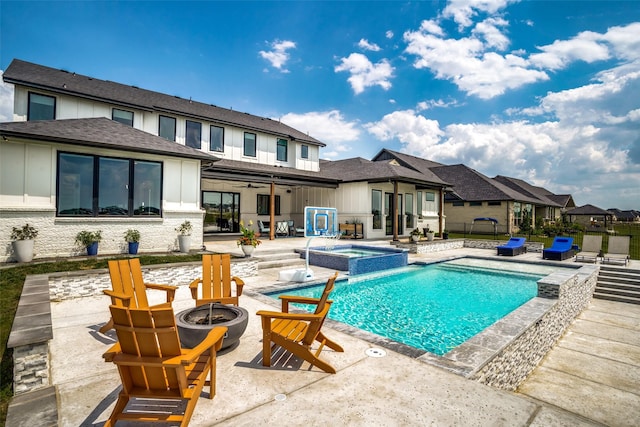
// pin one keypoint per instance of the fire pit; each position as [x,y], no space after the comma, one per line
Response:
[195,323]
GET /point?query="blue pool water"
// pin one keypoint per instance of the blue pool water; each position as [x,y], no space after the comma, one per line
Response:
[433,308]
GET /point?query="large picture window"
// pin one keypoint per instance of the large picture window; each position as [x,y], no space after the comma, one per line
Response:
[167,128]
[249,144]
[122,116]
[194,134]
[106,186]
[408,209]
[281,153]
[264,205]
[41,107]
[216,141]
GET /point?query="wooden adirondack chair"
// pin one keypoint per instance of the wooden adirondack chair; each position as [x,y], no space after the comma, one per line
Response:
[296,332]
[129,289]
[216,282]
[153,366]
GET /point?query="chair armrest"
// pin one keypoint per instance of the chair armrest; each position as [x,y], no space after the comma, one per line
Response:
[126,299]
[109,355]
[213,340]
[290,316]
[239,285]
[170,290]
[193,286]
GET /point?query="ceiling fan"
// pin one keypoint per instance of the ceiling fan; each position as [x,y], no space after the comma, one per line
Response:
[249,186]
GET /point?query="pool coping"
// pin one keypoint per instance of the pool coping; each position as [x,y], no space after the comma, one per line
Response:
[469,358]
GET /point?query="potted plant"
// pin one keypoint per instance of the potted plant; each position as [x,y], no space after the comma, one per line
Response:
[416,234]
[429,234]
[248,240]
[89,240]
[132,237]
[23,242]
[184,236]
[445,234]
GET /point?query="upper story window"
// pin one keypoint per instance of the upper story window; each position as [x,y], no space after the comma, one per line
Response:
[194,134]
[106,186]
[304,151]
[167,128]
[216,141]
[281,151]
[41,107]
[249,144]
[122,116]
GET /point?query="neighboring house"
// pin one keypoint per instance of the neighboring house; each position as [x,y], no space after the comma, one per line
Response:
[65,176]
[550,207]
[388,198]
[624,216]
[245,141]
[590,216]
[475,195]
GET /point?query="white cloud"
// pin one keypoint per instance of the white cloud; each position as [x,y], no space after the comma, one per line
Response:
[6,100]
[414,131]
[489,31]
[278,56]
[585,46]
[365,45]
[463,10]
[329,127]
[435,103]
[389,34]
[364,73]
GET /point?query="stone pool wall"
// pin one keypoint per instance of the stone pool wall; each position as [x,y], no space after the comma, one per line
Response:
[424,246]
[511,366]
[78,284]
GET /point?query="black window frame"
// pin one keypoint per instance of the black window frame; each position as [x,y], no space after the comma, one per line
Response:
[211,147]
[197,145]
[160,117]
[132,212]
[119,120]
[29,107]
[264,208]
[304,151]
[457,204]
[281,142]
[255,145]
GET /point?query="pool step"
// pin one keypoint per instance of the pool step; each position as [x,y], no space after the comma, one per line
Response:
[618,284]
[279,259]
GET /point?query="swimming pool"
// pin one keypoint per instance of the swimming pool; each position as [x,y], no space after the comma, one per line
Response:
[433,307]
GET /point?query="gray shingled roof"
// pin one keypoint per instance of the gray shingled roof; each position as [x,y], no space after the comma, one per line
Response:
[529,190]
[359,169]
[64,82]
[416,163]
[588,210]
[99,132]
[471,185]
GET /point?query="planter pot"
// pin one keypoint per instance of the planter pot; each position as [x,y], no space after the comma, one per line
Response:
[445,236]
[133,247]
[184,242]
[430,236]
[23,250]
[92,249]
[247,249]
[415,238]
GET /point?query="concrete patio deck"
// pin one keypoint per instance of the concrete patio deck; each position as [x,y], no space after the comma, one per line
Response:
[591,377]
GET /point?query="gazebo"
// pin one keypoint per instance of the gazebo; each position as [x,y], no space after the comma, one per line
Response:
[589,215]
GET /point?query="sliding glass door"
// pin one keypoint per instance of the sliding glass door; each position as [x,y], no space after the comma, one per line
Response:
[222,212]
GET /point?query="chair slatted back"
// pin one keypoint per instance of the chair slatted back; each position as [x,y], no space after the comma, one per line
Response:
[216,276]
[147,334]
[322,309]
[126,278]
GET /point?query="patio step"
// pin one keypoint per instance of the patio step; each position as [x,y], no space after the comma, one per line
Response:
[279,259]
[618,284]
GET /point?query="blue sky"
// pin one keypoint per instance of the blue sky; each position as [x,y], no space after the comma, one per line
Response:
[545,91]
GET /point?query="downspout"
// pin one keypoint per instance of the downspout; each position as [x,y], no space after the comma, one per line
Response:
[272,212]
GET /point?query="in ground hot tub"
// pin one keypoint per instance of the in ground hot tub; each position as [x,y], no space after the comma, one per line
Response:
[357,259]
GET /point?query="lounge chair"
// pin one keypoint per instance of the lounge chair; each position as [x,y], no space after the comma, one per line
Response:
[590,251]
[129,289]
[296,332]
[155,369]
[515,246]
[215,284]
[618,251]
[262,228]
[282,228]
[561,249]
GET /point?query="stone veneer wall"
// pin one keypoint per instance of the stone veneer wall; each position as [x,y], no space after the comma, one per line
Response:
[516,361]
[424,247]
[491,244]
[78,284]
[30,367]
